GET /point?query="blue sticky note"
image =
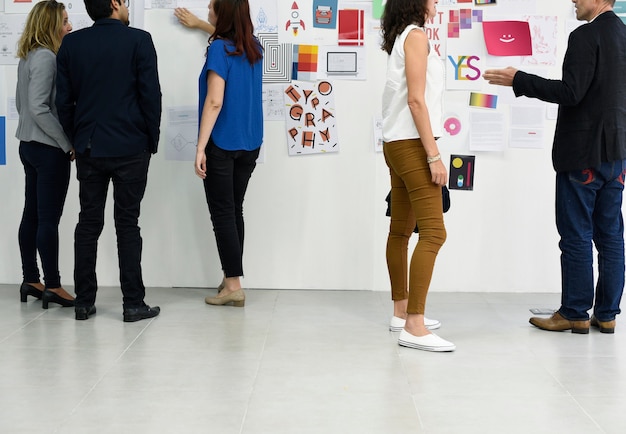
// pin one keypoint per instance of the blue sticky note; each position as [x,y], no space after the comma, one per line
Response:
[3,140]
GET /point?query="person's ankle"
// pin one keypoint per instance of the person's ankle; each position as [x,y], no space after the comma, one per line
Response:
[37,285]
[417,330]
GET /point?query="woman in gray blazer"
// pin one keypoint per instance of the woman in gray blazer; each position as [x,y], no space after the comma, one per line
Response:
[45,152]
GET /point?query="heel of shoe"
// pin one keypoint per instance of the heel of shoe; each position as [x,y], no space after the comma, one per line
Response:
[239,303]
[580,330]
[26,290]
[44,303]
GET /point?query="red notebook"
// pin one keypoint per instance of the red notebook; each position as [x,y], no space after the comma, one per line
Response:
[351,27]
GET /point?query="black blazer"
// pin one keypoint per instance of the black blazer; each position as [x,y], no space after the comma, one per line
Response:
[108,91]
[591,125]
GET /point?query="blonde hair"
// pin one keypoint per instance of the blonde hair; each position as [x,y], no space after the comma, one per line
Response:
[42,29]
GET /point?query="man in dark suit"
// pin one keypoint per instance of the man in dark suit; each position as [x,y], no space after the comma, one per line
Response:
[109,103]
[588,154]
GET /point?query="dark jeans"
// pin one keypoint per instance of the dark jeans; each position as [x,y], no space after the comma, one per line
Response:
[47,171]
[228,173]
[589,208]
[129,176]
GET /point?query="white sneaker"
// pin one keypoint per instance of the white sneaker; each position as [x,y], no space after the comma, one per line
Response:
[430,342]
[397,324]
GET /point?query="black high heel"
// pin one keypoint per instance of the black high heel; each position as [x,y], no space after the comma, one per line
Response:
[26,290]
[49,296]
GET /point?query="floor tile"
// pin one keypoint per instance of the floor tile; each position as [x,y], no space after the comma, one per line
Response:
[303,362]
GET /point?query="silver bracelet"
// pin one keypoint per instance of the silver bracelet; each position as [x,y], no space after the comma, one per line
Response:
[433,159]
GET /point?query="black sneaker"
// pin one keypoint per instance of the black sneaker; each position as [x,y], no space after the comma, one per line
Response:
[133,314]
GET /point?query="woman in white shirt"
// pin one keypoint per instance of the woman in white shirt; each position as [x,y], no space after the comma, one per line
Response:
[412,120]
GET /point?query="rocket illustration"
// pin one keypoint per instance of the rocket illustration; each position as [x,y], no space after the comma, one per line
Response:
[295,22]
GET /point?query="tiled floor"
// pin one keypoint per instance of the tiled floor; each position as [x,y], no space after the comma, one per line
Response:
[303,362]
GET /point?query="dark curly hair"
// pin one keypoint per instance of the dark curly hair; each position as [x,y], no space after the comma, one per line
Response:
[397,15]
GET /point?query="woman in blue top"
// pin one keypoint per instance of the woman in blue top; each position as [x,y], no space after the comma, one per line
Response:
[44,151]
[231,133]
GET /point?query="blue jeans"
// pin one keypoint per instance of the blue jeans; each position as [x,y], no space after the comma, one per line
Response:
[589,208]
[227,176]
[129,176]
[47,171]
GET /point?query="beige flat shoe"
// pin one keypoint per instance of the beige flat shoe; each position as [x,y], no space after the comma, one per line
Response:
[237,298]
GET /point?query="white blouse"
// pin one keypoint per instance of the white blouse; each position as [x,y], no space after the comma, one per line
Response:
[397,120]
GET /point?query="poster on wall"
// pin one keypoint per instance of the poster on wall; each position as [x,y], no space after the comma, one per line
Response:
[181,134]
[462,172]
[436,29]
[264,16]
[341,63]
[295,24]
[24,6]
[76,12]
[11,27]
[277,59]
[507,38]
[620,9]
[3,141]
[455,124]
[465,61]
[377,120]
[18,7]
[544,37]
[351,28]
[487,131]
[304,62]
[273,102]
[310,116]
[325,14]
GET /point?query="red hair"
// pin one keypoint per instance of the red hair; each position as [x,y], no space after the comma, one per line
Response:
[234,24]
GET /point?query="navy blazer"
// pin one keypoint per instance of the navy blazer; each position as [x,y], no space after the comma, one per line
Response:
[591,125]
[108,91]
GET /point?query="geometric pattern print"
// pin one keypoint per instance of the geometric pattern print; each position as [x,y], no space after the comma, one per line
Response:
[277,59]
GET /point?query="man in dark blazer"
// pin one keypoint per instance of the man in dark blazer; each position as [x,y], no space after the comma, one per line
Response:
[588,154]
[109,103]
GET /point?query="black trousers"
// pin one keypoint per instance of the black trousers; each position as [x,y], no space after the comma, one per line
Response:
[228,173]
[129,176]
[47,173]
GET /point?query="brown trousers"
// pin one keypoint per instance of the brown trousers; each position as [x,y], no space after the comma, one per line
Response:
[414,198]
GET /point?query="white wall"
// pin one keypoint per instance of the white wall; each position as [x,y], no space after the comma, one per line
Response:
[315,221]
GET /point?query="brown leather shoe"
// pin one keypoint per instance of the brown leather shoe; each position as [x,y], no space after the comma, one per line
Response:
[556,323]
[604,326]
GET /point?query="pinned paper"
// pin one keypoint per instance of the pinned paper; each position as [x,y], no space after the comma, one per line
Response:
[351,27]
[483,100]
[462,172]
[507,38]
[3,141]
[304,65]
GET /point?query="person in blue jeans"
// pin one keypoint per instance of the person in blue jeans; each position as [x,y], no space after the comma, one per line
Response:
[45,152]
[589,156]
[230,133]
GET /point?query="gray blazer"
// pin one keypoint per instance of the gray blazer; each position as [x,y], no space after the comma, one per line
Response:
[34,98]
